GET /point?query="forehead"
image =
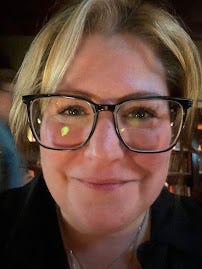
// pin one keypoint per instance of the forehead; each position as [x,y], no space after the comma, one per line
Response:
[109,68]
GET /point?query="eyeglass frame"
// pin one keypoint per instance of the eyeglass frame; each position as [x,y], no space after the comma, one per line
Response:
[185,103]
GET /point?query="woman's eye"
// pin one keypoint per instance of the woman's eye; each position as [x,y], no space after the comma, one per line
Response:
[73,111]
[140,114]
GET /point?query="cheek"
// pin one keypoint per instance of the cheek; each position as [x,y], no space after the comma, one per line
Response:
[155,167]
[54,164]
[155,162]
[54,161]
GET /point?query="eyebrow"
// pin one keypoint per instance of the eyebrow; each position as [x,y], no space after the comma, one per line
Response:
[91,96]
[76,92]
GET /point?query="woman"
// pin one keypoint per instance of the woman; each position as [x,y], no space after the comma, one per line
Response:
[12,171]
[107,85]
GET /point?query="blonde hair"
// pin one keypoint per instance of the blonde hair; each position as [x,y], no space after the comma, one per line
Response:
[53,49]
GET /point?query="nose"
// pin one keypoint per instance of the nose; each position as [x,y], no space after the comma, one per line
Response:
[104,143]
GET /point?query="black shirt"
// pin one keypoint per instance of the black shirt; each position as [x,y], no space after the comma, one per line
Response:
[30,236]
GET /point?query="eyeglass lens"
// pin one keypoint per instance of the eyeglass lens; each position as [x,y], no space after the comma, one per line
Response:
[143,125]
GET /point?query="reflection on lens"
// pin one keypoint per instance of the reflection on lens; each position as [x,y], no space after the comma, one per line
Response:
[64,130]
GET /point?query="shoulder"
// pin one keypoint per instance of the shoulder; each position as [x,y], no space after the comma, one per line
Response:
[169,204]
[7,139]
[177,223]
[29,231]
[4,128]
[12,205]
[12,202]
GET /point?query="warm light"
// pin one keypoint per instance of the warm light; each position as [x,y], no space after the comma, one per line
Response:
[171,189]
[199,126]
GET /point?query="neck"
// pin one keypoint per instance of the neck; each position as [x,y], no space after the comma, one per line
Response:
[116,250]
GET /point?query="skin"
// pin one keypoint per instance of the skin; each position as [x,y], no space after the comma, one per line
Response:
[103,190]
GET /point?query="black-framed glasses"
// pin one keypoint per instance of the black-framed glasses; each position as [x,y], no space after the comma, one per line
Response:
[145,125]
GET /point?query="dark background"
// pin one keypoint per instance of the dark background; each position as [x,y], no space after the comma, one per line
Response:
[20,21]
[25,17]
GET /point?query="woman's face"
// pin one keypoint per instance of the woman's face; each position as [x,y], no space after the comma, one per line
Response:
[104,187]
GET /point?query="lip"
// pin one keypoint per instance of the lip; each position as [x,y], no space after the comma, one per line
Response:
[109,185]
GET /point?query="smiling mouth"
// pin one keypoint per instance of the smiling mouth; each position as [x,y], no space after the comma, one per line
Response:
[104,186]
